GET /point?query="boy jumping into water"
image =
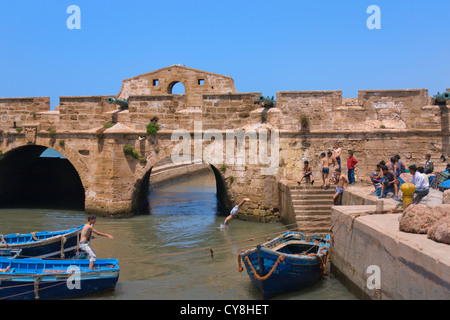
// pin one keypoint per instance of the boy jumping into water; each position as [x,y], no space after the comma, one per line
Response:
[234,211]
[86,236]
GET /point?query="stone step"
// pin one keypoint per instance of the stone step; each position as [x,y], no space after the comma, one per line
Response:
[312,197]
[324,220]
[306,213]
[316,191]
[312,207]
[310,227]
[309,187]
[320,202]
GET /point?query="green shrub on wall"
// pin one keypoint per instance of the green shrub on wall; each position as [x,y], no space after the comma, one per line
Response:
[152,128]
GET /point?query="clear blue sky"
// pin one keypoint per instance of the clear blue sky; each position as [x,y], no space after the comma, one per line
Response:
[266,46]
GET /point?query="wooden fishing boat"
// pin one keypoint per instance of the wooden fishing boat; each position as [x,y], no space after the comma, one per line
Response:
[34,278]
[289,262]
[46,244]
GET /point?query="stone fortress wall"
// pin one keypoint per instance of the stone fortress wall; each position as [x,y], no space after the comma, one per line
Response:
[375,125]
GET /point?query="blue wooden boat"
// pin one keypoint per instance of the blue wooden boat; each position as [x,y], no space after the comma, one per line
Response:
[289,262]
[46,244]
[34,278]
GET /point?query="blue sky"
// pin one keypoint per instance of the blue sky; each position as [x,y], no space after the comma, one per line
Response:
[266,46]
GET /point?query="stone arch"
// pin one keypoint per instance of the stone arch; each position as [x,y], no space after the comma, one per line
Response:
[26,179]
[173,83]
[140,204]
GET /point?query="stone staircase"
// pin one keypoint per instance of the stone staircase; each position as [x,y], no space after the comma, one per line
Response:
[312,208]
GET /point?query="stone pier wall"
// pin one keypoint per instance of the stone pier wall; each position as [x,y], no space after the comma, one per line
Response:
[408,266]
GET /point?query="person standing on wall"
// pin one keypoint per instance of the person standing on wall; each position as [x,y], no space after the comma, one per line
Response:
[351,163]
[337,154]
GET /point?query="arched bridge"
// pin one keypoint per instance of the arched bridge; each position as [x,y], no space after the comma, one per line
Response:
[251,145]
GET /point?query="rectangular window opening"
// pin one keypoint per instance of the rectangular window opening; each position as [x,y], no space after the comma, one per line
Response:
[155,82]
[201,82]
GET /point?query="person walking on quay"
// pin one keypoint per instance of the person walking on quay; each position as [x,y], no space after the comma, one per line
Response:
[233,212]
[86,236]
[400,163]
[351,163]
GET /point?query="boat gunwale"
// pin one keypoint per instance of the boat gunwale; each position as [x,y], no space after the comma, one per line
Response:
[30,244]
[321,246]
[109,266]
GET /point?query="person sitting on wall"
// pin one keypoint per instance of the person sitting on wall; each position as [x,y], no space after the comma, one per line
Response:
[429,166]
[422,171]
[422,186]
[307,173]
[376,176]
[389,183]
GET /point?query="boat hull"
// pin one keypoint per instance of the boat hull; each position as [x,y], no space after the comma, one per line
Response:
[53,290]
[278,272]
[32,279]
[58,244]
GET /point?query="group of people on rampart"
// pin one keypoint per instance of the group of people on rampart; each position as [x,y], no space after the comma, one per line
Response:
[387,177]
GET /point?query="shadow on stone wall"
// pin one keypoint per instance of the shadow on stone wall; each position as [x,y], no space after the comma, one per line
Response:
[30,181]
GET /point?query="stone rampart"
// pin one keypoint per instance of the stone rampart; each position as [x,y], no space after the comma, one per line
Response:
[375,125]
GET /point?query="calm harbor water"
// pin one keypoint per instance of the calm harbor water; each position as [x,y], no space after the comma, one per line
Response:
[166,255]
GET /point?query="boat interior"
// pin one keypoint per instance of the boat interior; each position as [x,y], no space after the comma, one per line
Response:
[297,248]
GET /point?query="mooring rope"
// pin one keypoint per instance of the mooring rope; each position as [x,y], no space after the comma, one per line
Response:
[268,275]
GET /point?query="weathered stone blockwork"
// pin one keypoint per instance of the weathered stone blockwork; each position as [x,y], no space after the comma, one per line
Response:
[375,125]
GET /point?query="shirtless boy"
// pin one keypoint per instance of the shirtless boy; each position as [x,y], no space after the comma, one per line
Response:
[341,179]
[325,170]
[234,211]
[337,154]
[307,173]
[332,162]
[86,236]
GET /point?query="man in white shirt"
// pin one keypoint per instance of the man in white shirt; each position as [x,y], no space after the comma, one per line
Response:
[422,186]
